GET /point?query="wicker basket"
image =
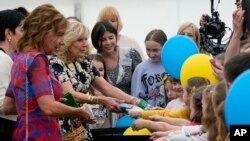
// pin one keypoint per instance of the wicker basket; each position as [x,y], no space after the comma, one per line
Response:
[77,133]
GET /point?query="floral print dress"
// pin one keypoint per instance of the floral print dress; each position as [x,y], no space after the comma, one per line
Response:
[81,74]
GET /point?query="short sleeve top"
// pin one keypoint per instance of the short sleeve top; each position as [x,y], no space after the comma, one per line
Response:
[79,73]
[30,73]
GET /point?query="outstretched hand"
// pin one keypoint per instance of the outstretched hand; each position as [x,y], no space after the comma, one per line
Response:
[85,116]
[158,134]
[139,124]
[135,112]
[156,118]
[112,104]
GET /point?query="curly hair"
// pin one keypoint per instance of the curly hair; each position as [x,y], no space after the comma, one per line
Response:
[41,20]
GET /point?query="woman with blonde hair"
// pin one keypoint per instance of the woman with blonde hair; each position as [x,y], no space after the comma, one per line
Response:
[34,92]
[111,14]
[77,74]
[75,71]
[191,30]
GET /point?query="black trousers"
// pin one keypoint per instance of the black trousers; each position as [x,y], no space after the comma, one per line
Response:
[6,129]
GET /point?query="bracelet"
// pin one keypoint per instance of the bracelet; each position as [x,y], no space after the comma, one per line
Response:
[92,98]
[89,98]
[95,99]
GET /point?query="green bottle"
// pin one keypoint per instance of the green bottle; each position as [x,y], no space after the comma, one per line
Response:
[144,105]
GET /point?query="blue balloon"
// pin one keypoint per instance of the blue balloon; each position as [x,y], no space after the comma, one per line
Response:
[238,101]
[174,53]
[125,121]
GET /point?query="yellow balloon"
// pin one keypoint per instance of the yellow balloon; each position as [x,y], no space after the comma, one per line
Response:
[142,132]
[197,65]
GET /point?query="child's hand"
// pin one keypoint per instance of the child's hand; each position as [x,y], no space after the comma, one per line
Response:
[135,112]
[156,118]
[158,134]
[156,108]
[139,124]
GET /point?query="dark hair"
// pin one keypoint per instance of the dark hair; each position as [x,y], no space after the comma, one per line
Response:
[245,4]
[22,10]
[9,19]
[98,31]
[99,58]
[236,65]
[176,80]
[156,35]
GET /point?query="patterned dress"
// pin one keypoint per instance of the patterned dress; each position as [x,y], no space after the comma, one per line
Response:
[80,74]
[40,82]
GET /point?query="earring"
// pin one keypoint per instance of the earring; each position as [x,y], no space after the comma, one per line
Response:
[9,39]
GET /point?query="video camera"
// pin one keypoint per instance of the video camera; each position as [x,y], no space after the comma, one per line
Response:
[215,28]
[212,31]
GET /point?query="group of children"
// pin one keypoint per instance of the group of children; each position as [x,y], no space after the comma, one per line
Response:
[201,118]
[187,113]
[190,112]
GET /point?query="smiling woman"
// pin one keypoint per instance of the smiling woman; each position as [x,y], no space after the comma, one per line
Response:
[120,62]
[77,74]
